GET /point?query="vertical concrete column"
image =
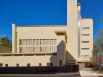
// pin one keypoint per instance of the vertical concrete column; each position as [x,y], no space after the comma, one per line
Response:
[72,31]
[14,43]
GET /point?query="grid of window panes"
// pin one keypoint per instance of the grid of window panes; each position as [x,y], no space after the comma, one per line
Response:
[37,45]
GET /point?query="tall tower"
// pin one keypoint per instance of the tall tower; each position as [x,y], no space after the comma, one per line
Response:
[72,31]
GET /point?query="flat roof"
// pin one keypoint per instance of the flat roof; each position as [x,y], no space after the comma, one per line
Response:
[42,26]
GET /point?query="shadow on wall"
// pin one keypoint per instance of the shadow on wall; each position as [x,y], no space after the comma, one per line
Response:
[59,58]
[63,57]
[69,58]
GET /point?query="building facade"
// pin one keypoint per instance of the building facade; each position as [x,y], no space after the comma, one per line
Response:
[52,45]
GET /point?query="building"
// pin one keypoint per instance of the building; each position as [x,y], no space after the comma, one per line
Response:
[52,45]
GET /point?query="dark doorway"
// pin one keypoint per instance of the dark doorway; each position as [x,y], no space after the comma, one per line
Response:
[17,65]
[6,65]
[40,64]
[60,62]
[28,65]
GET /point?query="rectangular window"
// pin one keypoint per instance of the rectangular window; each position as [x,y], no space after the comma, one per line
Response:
[85,27]
[37,42]
[22,49]
[48,42]
[22,42]
[84,48]
[33,49]
[85,56]
[40,64]
[28,65]
[6,65]
[51,41]
[55,49]
[1,64]
[60,62]
[50,64]
[17,65]
[44,42]
[33,41]
[85,41]
[85,34]
[27,42]
[41,41]
[37,49]
[55,41]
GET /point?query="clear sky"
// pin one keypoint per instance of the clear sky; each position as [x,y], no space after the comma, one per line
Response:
[45,12]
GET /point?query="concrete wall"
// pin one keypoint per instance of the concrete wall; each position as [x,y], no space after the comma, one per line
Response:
[72,30]
[86,23]
[24,60]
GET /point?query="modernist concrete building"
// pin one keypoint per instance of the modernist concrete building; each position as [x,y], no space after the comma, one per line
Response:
[52,45]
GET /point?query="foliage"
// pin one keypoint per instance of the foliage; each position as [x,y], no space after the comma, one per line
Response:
[6,43]
[96,47]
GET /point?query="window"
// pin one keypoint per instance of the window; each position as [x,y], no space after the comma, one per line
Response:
[48,42]
[17,65]
[40,64]
[28,65]
[40,49]
[28,42]
[55,41]
[84,48]
[22,42]
[85,27]
[85,41]
[37,42]
[6,65]
[33,49]
[44,42]
[31,42]
[85,56]
[51,42]
[85,34]
[22,49]
[1,64]
[60,62]
[49,64]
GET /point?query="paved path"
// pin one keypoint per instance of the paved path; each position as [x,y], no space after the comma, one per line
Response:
[87,72]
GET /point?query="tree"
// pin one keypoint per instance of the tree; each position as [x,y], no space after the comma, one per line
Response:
[6,43]
[96,47]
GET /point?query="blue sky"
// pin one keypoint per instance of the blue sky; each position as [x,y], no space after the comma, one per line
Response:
[45,12]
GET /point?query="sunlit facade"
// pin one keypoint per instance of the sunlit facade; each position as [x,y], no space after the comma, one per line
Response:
[52,45]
